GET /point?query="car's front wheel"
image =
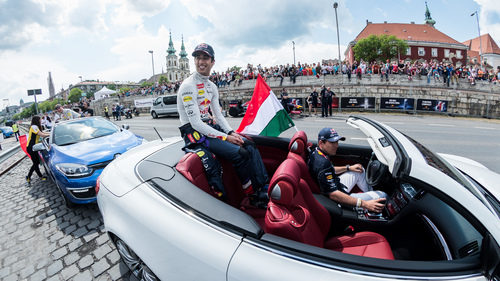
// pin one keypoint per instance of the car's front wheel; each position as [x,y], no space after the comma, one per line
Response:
[153,113]
[138,268]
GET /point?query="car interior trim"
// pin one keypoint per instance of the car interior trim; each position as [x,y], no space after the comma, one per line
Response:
[440,236]
[397,269]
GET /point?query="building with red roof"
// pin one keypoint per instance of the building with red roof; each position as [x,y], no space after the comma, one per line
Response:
[424,41]
[490,50]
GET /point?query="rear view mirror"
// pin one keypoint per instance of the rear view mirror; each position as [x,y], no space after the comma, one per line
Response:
[39,147]
[125,126]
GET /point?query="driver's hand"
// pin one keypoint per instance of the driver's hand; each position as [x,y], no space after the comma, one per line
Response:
[374,205]
[234,138]
[356,168]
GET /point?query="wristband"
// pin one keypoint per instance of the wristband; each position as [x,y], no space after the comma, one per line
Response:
[358,203]
[230,132]
[347,167]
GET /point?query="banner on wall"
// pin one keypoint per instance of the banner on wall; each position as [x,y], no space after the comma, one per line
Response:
[397,103]
[143,103]
[432,105]
[356,102]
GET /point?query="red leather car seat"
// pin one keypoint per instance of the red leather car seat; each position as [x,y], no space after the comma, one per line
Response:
[298,152]
[295,214]
[191,168]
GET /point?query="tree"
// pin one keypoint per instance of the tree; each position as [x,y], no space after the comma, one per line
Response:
[381,47]
[146,84]
[75,95]
[163,79]
[112,87]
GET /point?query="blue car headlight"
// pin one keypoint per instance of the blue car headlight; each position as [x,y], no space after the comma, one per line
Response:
[72,170]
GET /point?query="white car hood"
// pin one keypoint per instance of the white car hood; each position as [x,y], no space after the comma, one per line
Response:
[485,177]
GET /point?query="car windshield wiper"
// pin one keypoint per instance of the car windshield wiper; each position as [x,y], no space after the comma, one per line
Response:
[68,143]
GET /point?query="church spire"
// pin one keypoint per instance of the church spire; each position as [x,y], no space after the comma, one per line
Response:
[183,53]
[171,50]
[428,18]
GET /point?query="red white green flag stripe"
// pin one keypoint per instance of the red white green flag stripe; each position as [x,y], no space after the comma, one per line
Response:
[265,115]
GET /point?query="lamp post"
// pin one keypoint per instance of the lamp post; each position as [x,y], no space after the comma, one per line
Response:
[479,33]
[152,62]
[335,5]
[293,43]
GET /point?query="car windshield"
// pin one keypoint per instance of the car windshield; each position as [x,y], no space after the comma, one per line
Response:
[82,130]
[436,161]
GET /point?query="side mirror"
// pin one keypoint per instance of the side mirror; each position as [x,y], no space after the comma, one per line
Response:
[39,147]
[125,126]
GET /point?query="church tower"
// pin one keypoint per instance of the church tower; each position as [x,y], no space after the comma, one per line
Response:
[172,63]
[428,18]
[184,61]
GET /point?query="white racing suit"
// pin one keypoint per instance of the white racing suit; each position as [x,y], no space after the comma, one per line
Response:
[199,108]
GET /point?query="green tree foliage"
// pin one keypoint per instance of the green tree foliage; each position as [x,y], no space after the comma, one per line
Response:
[163,79]
[146,84]
[234,68]
[111,87]
[123,90]
[74,95]
[381,47]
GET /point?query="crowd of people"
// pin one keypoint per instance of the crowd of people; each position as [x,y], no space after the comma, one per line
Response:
[434,71]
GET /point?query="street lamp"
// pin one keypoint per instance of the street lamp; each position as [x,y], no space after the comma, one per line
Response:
[152,62]
[293,43]
[479,32]
[335,5]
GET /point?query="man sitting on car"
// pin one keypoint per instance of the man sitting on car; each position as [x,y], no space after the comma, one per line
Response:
[204,126]
[336,182]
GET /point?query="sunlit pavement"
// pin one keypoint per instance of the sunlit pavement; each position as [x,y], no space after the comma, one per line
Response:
[40,239]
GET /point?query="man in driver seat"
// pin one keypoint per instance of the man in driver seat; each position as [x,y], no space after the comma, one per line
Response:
[336,182]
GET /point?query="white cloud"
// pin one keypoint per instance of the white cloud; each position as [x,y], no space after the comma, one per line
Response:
[489,9]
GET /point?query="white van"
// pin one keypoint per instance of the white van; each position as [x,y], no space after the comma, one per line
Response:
[164,105]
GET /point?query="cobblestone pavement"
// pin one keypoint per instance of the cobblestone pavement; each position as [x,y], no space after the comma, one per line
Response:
[41,239]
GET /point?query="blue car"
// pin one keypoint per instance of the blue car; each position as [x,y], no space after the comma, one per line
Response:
[77,151]
[7,132]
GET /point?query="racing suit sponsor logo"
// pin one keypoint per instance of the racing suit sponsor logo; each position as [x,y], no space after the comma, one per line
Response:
[190,112]
[191,139]
[189,105]
[196,136]
[205,102]
[200,153]
[187,93]
[201,92]
[187,98]
[199,86]
[329,177]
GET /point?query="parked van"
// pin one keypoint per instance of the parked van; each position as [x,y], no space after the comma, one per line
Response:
[164,105]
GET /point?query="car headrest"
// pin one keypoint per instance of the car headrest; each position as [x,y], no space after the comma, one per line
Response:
[284,183]
[298,143]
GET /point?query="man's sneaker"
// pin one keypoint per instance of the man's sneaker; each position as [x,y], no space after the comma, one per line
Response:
[28,180]
[247,188]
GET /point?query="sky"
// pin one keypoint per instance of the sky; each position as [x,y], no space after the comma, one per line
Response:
[109,40]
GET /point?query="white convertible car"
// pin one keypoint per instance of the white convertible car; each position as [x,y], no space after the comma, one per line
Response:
[441,221]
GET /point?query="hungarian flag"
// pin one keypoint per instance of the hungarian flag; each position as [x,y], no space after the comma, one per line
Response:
[265,115]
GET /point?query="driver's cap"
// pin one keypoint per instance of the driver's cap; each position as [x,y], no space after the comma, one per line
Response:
[330,135]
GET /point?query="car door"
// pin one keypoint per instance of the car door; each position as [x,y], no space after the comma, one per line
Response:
[45,155]
[170,104]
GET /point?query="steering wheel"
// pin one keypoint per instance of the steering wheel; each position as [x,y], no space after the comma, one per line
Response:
[375,172]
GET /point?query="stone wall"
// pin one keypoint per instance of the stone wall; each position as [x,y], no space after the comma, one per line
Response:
[482,99]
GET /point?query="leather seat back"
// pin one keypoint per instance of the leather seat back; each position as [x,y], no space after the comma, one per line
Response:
[298,152]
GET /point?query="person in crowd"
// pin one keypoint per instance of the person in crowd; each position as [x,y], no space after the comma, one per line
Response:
[312,100]
[337,182]
[86,110]
[106,112]
[62,114]
[204,127]
[330,95]
[34,135]
[285,100]
[15,130]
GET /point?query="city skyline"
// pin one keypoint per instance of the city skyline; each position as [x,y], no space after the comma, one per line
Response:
[110,40]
